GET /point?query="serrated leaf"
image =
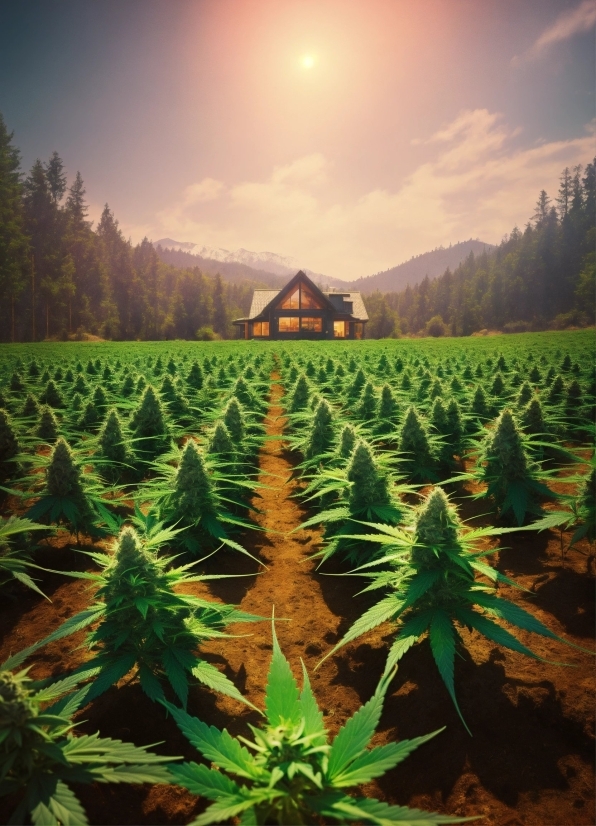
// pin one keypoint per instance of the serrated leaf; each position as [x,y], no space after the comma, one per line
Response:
[217,746]
[211,677]
[378,760]
[281,694]
[386,609]
[311,713]
[410,633]
[150,683]
[204,782]
[442,643]
[353,738]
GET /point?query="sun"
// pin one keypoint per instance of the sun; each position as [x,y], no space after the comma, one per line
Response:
[307,61]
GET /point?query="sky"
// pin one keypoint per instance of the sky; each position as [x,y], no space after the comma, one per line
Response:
[349,135]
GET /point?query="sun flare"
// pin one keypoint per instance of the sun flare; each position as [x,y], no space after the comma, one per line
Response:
[307,61]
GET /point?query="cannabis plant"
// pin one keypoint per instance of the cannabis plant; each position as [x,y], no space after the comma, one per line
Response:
[144,624]
[191,498]
[9,443]
[514,481]
[430,577]
[149,424]
[47,427]
[68,498]
[363,491]
[320,437]
[40,756]
[418,448]
[288,772]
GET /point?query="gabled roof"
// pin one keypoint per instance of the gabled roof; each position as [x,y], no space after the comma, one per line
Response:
[262,300]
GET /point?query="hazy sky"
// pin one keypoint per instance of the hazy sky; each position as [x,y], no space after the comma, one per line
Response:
[349,135]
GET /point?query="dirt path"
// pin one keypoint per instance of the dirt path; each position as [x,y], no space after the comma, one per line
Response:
[313,609]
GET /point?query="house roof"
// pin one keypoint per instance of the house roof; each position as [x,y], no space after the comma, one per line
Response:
[350,303]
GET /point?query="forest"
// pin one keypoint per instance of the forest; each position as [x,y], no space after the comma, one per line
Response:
[61,278]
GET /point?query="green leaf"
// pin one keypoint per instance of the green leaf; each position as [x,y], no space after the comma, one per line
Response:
[376,614]
[353,738]
[111,672]
[210,676]
[374,811]
[204,782]
[217,746]
[512,613]
[150,683]
[281,695]
[176,675]
[442,643]
[311,714]
[492,631]
[377,761]
[410,633]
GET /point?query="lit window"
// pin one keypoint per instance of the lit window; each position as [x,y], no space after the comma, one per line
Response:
[289,324]
[292,302]
[313,325]
[339,329]
[308,301]
[260,328]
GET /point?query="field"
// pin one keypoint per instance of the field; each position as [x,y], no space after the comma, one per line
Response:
[452,478]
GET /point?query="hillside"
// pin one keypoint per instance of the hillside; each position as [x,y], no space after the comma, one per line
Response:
[273,271]
[412,272]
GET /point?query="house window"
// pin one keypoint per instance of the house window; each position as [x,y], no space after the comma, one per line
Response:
[358,329]
[289,324]
[308,301]
[339,329]
[312,324]
[292,302]
[300,299]
[260,328]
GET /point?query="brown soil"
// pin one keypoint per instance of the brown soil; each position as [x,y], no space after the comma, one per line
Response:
[530,760]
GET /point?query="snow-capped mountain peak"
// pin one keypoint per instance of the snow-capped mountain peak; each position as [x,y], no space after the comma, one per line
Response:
[268,261]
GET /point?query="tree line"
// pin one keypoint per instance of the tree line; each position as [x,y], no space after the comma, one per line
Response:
[61,278]
[540,278]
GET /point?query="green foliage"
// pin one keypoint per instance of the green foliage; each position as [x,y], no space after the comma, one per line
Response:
[47,427]
[299,395]
[347,441]
[9,443]
[431,582]
[513,480]
[65,499]
[30,409]
[40,756]
[149,423]
[51,395]
[15,557]
[321,433]
[415,445]
[289,772]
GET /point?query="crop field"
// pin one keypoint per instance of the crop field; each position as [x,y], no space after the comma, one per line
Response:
[296,582]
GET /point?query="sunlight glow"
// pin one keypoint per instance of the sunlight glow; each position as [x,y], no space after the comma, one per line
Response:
[307,61]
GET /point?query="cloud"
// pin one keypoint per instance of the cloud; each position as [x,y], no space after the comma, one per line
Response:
[475,182]
[569,23]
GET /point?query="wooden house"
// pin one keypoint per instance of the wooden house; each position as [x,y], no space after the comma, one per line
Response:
[302,311]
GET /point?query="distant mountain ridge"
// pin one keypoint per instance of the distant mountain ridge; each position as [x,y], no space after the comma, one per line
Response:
[273,270]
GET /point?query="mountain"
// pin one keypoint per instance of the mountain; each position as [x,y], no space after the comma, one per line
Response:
[411,272]
[272,270]
[269,262]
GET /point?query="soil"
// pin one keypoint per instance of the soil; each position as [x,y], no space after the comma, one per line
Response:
[531,757]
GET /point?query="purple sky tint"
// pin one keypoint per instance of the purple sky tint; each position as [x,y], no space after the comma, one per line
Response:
[416,124]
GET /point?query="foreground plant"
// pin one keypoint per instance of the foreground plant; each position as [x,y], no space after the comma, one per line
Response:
[144,624]
[40,756]
[289,772]
[430,575]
